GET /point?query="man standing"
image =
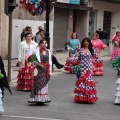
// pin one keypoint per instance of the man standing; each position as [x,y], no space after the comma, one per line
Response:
[99,32]
[104,36]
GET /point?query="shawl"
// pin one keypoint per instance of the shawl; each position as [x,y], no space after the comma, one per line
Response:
[116,62]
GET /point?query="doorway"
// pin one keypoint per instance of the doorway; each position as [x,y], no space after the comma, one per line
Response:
[107,23]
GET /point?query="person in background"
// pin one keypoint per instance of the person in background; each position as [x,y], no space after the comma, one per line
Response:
[104,36]
[99,33]
[116,49]
[39,29]
[26,69]
[30,31]
[22,36]
[97,63]
[72,60]
[39,92]
[37,36]
[85,87]
[40,36]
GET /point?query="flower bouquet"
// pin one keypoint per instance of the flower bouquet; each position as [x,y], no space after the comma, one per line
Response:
[1,76]
[116,43]
[33,59]
[67,46]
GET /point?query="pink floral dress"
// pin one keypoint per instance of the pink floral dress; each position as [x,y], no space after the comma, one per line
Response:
[98,63]
[116,50]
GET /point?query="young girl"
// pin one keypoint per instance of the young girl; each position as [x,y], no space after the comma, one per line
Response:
[39,92]
[85,87]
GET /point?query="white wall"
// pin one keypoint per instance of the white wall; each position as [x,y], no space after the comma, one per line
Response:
[106,6]
[115,23]
[100,15]
[17,28]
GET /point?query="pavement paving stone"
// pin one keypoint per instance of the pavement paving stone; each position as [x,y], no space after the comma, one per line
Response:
[61,87]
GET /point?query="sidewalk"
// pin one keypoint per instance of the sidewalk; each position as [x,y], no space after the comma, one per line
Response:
[61,57]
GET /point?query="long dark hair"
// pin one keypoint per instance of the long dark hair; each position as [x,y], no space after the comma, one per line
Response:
[90,47]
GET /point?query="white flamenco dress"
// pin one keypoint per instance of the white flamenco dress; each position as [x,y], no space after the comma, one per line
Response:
[117,94]
[1,103]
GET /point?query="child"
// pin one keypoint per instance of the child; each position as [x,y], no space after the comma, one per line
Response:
[116,63]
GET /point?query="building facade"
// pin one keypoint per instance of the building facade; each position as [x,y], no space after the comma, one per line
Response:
[105,15]
[3,31]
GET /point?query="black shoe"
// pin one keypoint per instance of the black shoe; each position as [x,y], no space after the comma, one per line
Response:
[60,66]
[118,74]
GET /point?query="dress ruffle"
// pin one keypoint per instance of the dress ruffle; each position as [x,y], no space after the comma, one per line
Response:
[85,89]
[25,78]
[71,63]
[1,103]
[42,96]
[115,53]
[117,94]
[98,69]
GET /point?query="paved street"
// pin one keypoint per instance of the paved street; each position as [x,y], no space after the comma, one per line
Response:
[62,106]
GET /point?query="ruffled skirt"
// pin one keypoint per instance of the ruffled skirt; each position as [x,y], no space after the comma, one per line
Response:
[98,69]
[117,94]
[42,96]
[1,103]
[115,53]
[71,63]
[25,78]
[85,89]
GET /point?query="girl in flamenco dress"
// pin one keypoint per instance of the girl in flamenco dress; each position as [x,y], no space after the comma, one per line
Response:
[116,50]
[73,46]
[97,63]
[43,63]
[85,87]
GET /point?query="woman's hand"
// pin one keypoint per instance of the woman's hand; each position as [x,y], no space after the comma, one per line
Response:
[19,64]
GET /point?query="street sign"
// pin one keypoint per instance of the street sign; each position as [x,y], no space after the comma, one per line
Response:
[76,2]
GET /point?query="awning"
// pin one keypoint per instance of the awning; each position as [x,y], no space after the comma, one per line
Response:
[110,1]
[71,6]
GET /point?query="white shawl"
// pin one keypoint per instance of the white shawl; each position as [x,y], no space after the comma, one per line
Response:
[21,51]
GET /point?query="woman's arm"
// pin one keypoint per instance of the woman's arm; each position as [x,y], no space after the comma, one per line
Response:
[20,54]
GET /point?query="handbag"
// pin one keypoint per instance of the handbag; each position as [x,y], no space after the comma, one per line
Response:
[35,72]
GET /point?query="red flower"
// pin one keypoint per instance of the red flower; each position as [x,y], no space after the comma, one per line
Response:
[30,57]
[66,43]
